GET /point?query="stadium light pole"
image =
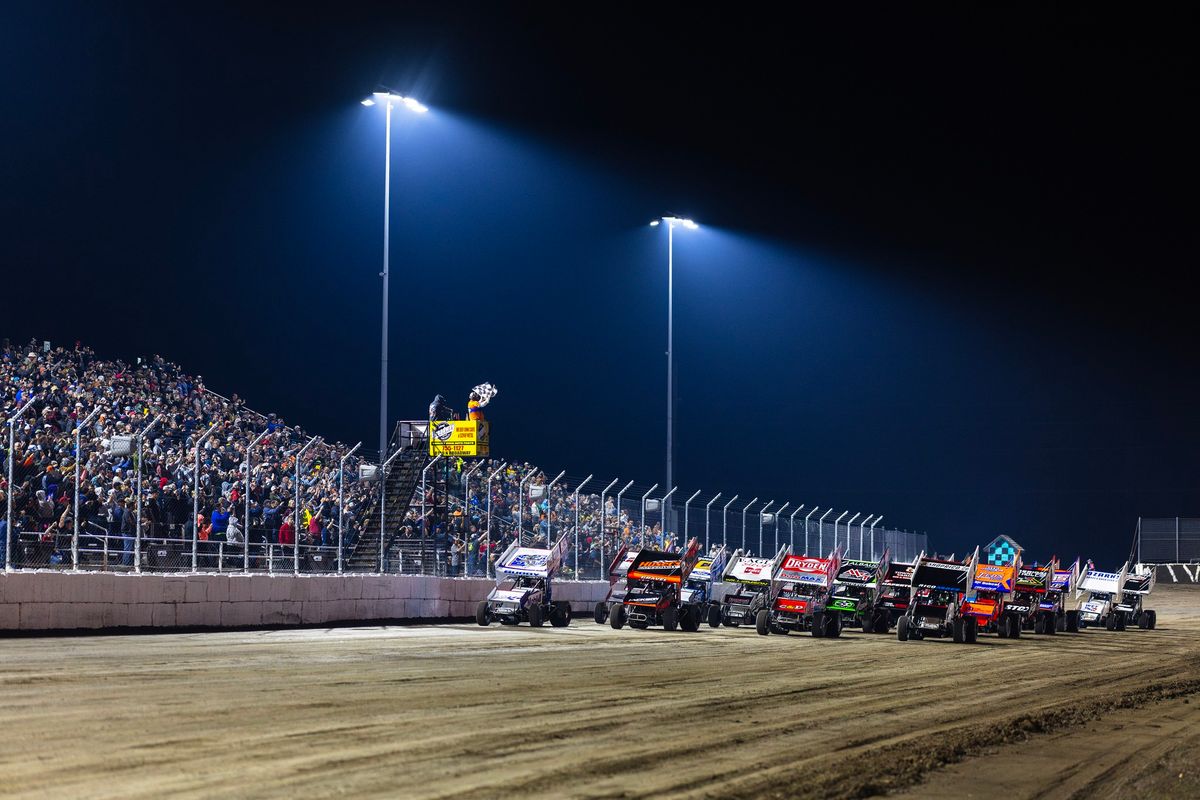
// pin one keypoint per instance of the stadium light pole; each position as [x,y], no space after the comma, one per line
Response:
[389,100]
[685,515]
[725,522]
[671,222]
[792,529]
[341,504]
[873,524]
[246,526]
[79,426]
[642,524]
[488,535]
[707,520]
[603,492]
[744,510]
[196,494]
[8,528]
[521,506]
[762,511]
[821,533]
[778,514]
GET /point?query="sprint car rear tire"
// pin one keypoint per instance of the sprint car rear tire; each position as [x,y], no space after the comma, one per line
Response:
[1072,622]
[971,630]
[833,625]
[1014,627]
[957,631]
[560,615]
[762,622]
[714,616]
[902,629]
[600,613]
[1002,628]
[1110,622]
[689,620]
[616,617]
[1050,626]
[535,615]
[482,617]
[670,619]
[1120,620]
[1152,619]
[881,623]
[1039,625]
[818,625]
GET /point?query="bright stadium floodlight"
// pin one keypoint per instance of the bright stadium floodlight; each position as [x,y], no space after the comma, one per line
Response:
[389,99]
[671,223]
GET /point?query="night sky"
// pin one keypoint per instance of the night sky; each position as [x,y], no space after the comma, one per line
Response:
[942,273]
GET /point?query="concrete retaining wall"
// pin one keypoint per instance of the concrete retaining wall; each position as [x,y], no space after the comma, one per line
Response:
[58,601]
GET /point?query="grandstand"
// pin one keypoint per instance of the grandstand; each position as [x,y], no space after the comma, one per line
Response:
[140,467]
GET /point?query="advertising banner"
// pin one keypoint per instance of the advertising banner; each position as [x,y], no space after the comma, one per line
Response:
[460,437]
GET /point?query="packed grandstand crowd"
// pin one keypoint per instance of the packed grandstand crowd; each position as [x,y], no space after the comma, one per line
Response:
[55,388]
[65,385]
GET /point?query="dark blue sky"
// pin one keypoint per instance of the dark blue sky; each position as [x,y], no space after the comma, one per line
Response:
[942,274]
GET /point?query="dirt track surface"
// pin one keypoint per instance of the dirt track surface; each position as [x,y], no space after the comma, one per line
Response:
[460,711]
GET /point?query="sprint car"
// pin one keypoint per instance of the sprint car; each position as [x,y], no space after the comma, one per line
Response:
[1115,599]
[854,589]
[890,600]
[616,583]
[750,578]
[989,600]
[654,591]
[524,579]
[1040,598]
[699,588]
[801,588]
[935,602]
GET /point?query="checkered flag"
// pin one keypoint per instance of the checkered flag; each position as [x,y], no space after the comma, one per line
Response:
[486,392]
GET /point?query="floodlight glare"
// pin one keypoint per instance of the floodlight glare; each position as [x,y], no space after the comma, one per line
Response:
[654,223]
[368,102]
[392,97]
[673,221]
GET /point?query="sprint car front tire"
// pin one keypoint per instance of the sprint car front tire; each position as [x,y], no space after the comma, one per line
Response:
[690,619]
[482,617]
[560,615]
[600,613]
[714,616]
[1152,619]
[902,629]
[535,616]
[616,617]
[762,622]
[670,619]
[818,625]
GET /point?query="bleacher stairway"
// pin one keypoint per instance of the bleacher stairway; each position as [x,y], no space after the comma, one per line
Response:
[399,486]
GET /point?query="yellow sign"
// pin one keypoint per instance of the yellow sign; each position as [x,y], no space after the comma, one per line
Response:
[459,437]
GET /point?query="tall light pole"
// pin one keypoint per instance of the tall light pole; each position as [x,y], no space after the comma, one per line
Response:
[389,100]
[671,223]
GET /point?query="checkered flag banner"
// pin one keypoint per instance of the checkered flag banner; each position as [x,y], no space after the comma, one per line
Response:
[486,392]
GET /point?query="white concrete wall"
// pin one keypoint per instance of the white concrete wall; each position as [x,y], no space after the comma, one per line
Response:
[58,600]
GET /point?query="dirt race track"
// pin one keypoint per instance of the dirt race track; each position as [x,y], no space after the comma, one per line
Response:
[460,711]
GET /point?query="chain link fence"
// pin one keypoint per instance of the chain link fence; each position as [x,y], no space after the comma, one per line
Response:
[1168,540]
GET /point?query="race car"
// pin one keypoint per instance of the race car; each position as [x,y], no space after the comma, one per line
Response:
[524,578]
[750,578]
[989,601]
[801,588]
[654,591]
[699,588]
[1114,599]
[854,589]
[890,599]
[935,602]
[616,583]
[1039,598]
